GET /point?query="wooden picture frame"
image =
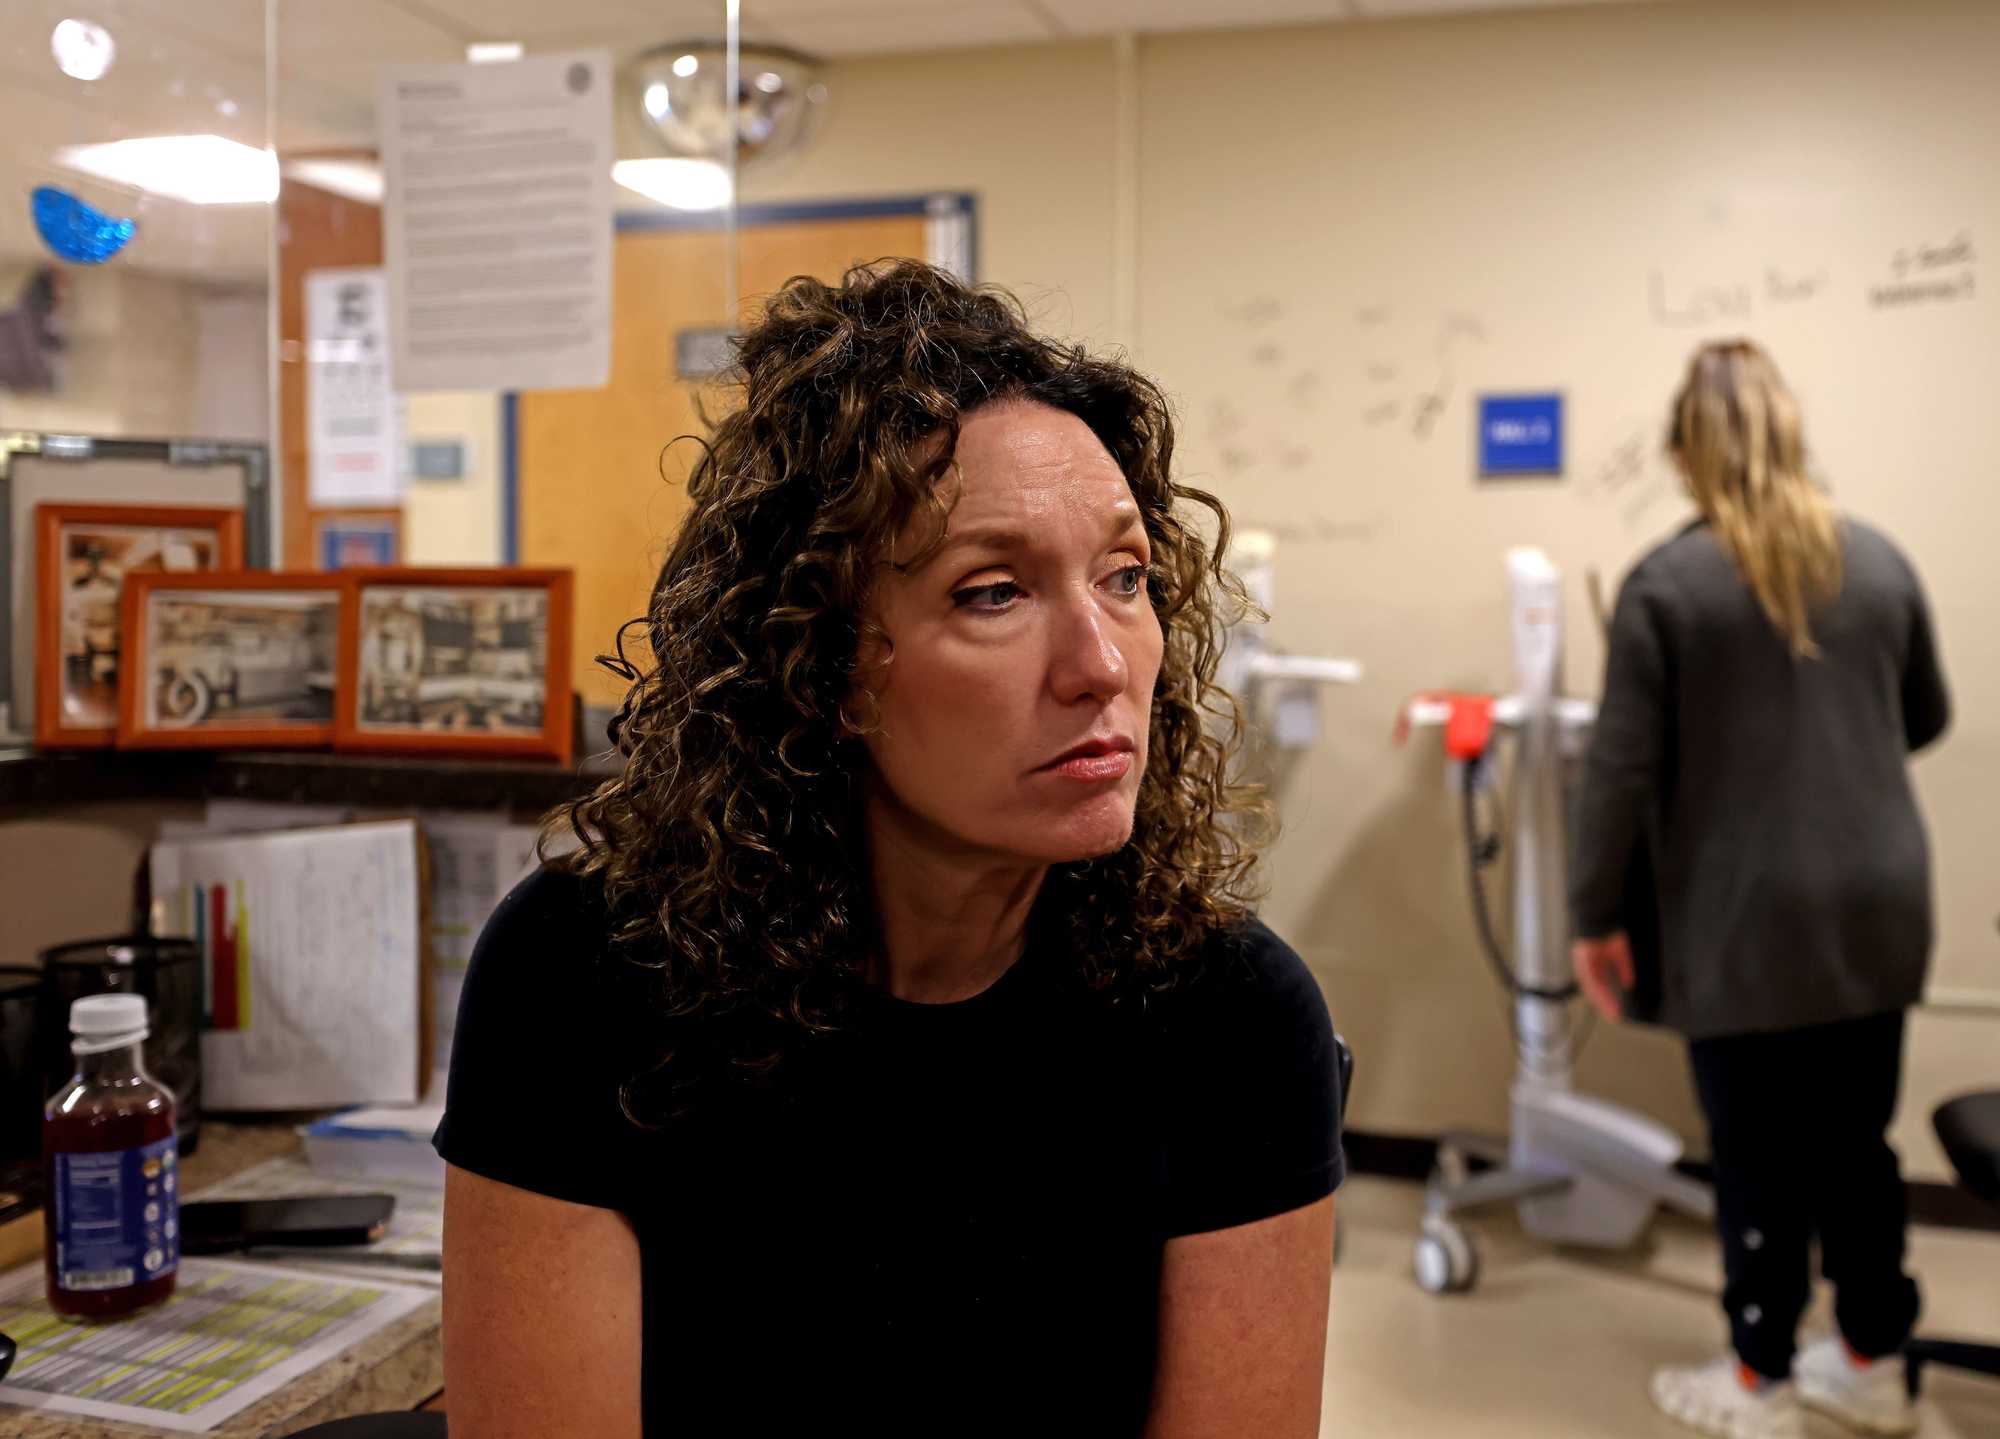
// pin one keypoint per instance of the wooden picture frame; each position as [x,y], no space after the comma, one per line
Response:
[455,671]
[194,676]
[76,695]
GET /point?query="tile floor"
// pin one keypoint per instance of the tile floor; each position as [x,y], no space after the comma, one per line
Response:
[1558,1345]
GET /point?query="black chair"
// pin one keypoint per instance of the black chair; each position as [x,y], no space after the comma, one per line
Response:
[379,1426]
[1969,1129]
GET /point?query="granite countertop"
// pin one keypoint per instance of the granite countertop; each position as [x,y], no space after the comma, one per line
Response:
[398,1368]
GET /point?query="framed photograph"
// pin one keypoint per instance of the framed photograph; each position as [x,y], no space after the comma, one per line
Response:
[86,553]
[358,539]
[70,469]
[228,660]
[472,661]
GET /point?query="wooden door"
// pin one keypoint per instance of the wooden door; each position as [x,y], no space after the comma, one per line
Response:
[600,482]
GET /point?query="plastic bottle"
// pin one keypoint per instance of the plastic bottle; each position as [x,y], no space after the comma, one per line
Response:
[113,1168]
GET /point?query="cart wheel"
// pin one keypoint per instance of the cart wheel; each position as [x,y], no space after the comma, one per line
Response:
[1447,1261]
[188,699]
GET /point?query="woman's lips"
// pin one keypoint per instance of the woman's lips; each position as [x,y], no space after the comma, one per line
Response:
[1113,765]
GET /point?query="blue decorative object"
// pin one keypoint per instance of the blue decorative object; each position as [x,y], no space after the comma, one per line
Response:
[1520,435]
[75,231]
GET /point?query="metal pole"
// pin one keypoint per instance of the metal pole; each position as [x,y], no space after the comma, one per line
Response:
[272,519]
[731,87]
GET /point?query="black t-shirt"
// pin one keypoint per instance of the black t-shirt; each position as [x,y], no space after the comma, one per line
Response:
[946,1218]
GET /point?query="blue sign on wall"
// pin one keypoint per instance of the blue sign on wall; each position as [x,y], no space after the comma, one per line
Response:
[1520,435]
[355,543]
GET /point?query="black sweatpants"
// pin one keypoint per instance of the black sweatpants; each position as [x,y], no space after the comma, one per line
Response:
[1797,1123]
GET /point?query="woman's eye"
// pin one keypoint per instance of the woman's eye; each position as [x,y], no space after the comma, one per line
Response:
[986,597]
[1130,581]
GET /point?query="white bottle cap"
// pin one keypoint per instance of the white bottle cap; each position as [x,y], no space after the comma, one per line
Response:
[100,1017]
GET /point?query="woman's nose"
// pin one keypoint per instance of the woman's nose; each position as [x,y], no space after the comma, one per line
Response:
[1086,661]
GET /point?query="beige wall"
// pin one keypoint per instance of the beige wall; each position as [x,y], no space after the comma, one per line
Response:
[69,872]
[151,356]
[232,383]
[455,522]
[1334,223]
[1030,130]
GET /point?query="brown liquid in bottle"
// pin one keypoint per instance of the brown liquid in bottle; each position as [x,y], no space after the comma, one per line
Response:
[110,1105]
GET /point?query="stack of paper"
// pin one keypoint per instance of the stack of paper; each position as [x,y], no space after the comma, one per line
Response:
[314,980]
[386,1142]
[474,858]
[231,1334]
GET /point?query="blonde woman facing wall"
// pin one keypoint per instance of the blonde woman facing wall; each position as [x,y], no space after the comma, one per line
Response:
[1770,670]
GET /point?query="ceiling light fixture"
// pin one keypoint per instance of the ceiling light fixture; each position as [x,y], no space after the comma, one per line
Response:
[83,49]
[686,65]
[351,179]
[677,184]
[201,169]
[494,52]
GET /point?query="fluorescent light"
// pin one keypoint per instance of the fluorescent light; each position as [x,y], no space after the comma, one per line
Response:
[494,52]
[353,179]
[83,51]
[657,100]
[201,169]
[686,66]
[678,184]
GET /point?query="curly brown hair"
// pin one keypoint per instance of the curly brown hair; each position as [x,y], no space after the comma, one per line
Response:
[729,848]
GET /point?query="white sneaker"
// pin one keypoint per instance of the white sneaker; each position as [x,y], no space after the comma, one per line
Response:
[1870,1398]
[1711,1398]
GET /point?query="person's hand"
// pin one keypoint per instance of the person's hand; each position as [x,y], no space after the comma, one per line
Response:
[1604,970]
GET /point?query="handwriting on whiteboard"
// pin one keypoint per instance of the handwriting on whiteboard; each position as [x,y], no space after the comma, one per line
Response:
[1244,433]
[1682,305]
[1633,475]
[1322,529]
[1413,369]
[1925,273]
[1430,393]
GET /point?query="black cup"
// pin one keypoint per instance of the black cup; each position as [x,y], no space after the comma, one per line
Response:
[168,973]
[22,1071]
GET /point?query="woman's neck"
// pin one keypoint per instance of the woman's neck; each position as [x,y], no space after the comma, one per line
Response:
[951,920]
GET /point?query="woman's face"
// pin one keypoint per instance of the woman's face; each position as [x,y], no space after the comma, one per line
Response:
[1014,703]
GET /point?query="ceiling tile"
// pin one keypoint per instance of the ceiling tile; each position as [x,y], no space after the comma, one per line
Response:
[622,23]
[232,24]
[234,27]
[1106,17]
[313,34]
[872,27]
[151,90]
[1405,9]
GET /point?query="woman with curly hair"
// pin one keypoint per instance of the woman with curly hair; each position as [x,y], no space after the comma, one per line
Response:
[895,1051]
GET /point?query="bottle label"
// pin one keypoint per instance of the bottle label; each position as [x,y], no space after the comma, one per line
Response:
[117,1216]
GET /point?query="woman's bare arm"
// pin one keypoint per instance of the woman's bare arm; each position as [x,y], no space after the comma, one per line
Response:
[1243,1329]
[541,1315]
